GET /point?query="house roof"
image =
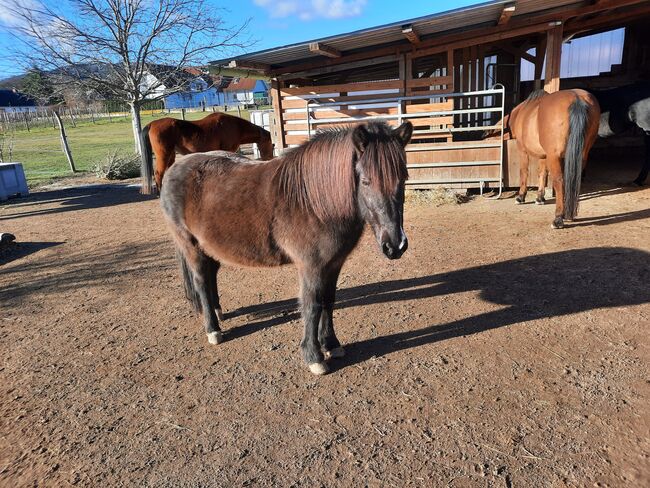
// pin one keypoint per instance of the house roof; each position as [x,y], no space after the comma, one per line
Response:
[428,28]
[11,98]
[241,84]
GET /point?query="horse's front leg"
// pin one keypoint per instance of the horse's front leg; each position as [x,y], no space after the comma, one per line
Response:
[329,344]
[312,285]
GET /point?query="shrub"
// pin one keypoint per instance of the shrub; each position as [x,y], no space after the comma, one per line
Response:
[117,166]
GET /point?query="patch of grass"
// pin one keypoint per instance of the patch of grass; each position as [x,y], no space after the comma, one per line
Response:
[40,149]
[436,197]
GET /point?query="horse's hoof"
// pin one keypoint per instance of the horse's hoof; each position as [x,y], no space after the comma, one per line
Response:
[319,368]
[219,314]
[558,223]
[540,201]
[337,352]
[519,199]
[215,337]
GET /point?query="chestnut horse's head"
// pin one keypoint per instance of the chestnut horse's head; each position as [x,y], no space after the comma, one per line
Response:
[265,145]
[381,174]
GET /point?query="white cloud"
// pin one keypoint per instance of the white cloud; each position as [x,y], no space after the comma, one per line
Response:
[313,9]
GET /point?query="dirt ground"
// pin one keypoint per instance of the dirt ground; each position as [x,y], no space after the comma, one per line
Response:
[496,352]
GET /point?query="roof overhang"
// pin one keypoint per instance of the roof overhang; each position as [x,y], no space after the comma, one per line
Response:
[492,18]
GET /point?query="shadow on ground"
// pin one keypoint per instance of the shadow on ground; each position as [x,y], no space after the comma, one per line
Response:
[71,199]
[530,288]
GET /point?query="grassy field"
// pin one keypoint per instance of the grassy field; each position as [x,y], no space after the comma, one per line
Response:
[43,160]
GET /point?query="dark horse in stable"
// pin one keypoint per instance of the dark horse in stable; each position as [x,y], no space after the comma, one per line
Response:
[218,131]
[307,207]
[558,128]
[621,109]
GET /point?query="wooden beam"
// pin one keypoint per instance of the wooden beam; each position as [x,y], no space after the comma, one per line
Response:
[324,49]
[507,13]
[518,52]
[243,64]
[410,33]
[324,70]
[276,98]
[553,59]
[577,25]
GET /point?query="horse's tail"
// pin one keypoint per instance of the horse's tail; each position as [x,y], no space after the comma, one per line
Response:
[146,171]
[578,123]
[188,281]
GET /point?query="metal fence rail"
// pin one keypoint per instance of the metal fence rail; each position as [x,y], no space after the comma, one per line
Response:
[490,102]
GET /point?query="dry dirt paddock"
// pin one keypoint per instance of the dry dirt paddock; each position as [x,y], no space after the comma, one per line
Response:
[496,352]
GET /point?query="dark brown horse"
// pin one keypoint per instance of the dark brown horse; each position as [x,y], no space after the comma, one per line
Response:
[307,207]
[558,128]
[218,131]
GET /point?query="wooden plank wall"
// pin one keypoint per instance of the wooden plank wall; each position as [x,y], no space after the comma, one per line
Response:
[431,134]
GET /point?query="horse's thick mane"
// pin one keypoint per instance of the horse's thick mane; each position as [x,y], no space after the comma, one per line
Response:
[319,175]
[536,94]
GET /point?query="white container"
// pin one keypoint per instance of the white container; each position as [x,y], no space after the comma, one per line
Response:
[12,181]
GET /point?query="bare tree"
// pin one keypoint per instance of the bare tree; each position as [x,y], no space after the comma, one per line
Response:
[112,47]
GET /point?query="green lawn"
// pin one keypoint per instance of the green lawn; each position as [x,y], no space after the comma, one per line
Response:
[40,149]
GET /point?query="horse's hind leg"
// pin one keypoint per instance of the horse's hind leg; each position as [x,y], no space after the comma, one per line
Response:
[164,159]
[214,271]
[554,166]
[640,180]
[523,175]
[330,345]
[199,272]
[541,187]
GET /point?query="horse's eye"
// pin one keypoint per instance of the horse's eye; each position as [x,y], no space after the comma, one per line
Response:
[365,181]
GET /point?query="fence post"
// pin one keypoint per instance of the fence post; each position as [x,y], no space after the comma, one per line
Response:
[239,111]
[64,143]
[183,113]
[26,122]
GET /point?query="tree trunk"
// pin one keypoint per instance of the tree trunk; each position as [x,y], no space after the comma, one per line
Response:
[64,142]
[137,126]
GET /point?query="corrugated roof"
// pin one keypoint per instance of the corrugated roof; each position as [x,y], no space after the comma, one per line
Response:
[428,26]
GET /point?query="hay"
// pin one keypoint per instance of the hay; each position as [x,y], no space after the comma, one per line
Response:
[117,166]
[435,197]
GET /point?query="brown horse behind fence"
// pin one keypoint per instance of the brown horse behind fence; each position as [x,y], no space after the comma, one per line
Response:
[307,207]
[558,128]
[218,131]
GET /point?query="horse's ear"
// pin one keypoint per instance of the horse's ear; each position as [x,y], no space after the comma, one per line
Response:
[404,132]
[360,139]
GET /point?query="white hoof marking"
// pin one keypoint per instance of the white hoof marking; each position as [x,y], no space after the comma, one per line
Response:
[319,368]
[215,337]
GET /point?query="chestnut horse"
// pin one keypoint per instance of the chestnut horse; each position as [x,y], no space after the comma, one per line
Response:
[558,128]
[307,207]
[218,131]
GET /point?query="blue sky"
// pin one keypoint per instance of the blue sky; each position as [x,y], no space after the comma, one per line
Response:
[279,22]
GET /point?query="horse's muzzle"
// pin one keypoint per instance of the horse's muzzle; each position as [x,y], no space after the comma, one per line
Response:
[395,252]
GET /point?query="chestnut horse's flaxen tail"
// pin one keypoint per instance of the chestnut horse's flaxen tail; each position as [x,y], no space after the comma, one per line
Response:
[578,121]
[146,166]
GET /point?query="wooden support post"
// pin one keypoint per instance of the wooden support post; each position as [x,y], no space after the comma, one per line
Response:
[324,50]
[553,58]
[64,143]
[277,112]
[540,51]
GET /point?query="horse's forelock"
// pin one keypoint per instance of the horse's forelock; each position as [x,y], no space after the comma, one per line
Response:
[384,162]
[320,176]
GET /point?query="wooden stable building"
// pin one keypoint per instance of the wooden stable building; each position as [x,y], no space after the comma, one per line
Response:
[452,74]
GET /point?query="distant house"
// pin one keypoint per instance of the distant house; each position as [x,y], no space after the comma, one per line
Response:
[12,101]
[184,89]
[246,91]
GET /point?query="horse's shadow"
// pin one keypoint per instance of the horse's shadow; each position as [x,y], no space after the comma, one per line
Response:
[530,288]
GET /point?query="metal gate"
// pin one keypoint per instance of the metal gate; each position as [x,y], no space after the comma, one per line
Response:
[447,146]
